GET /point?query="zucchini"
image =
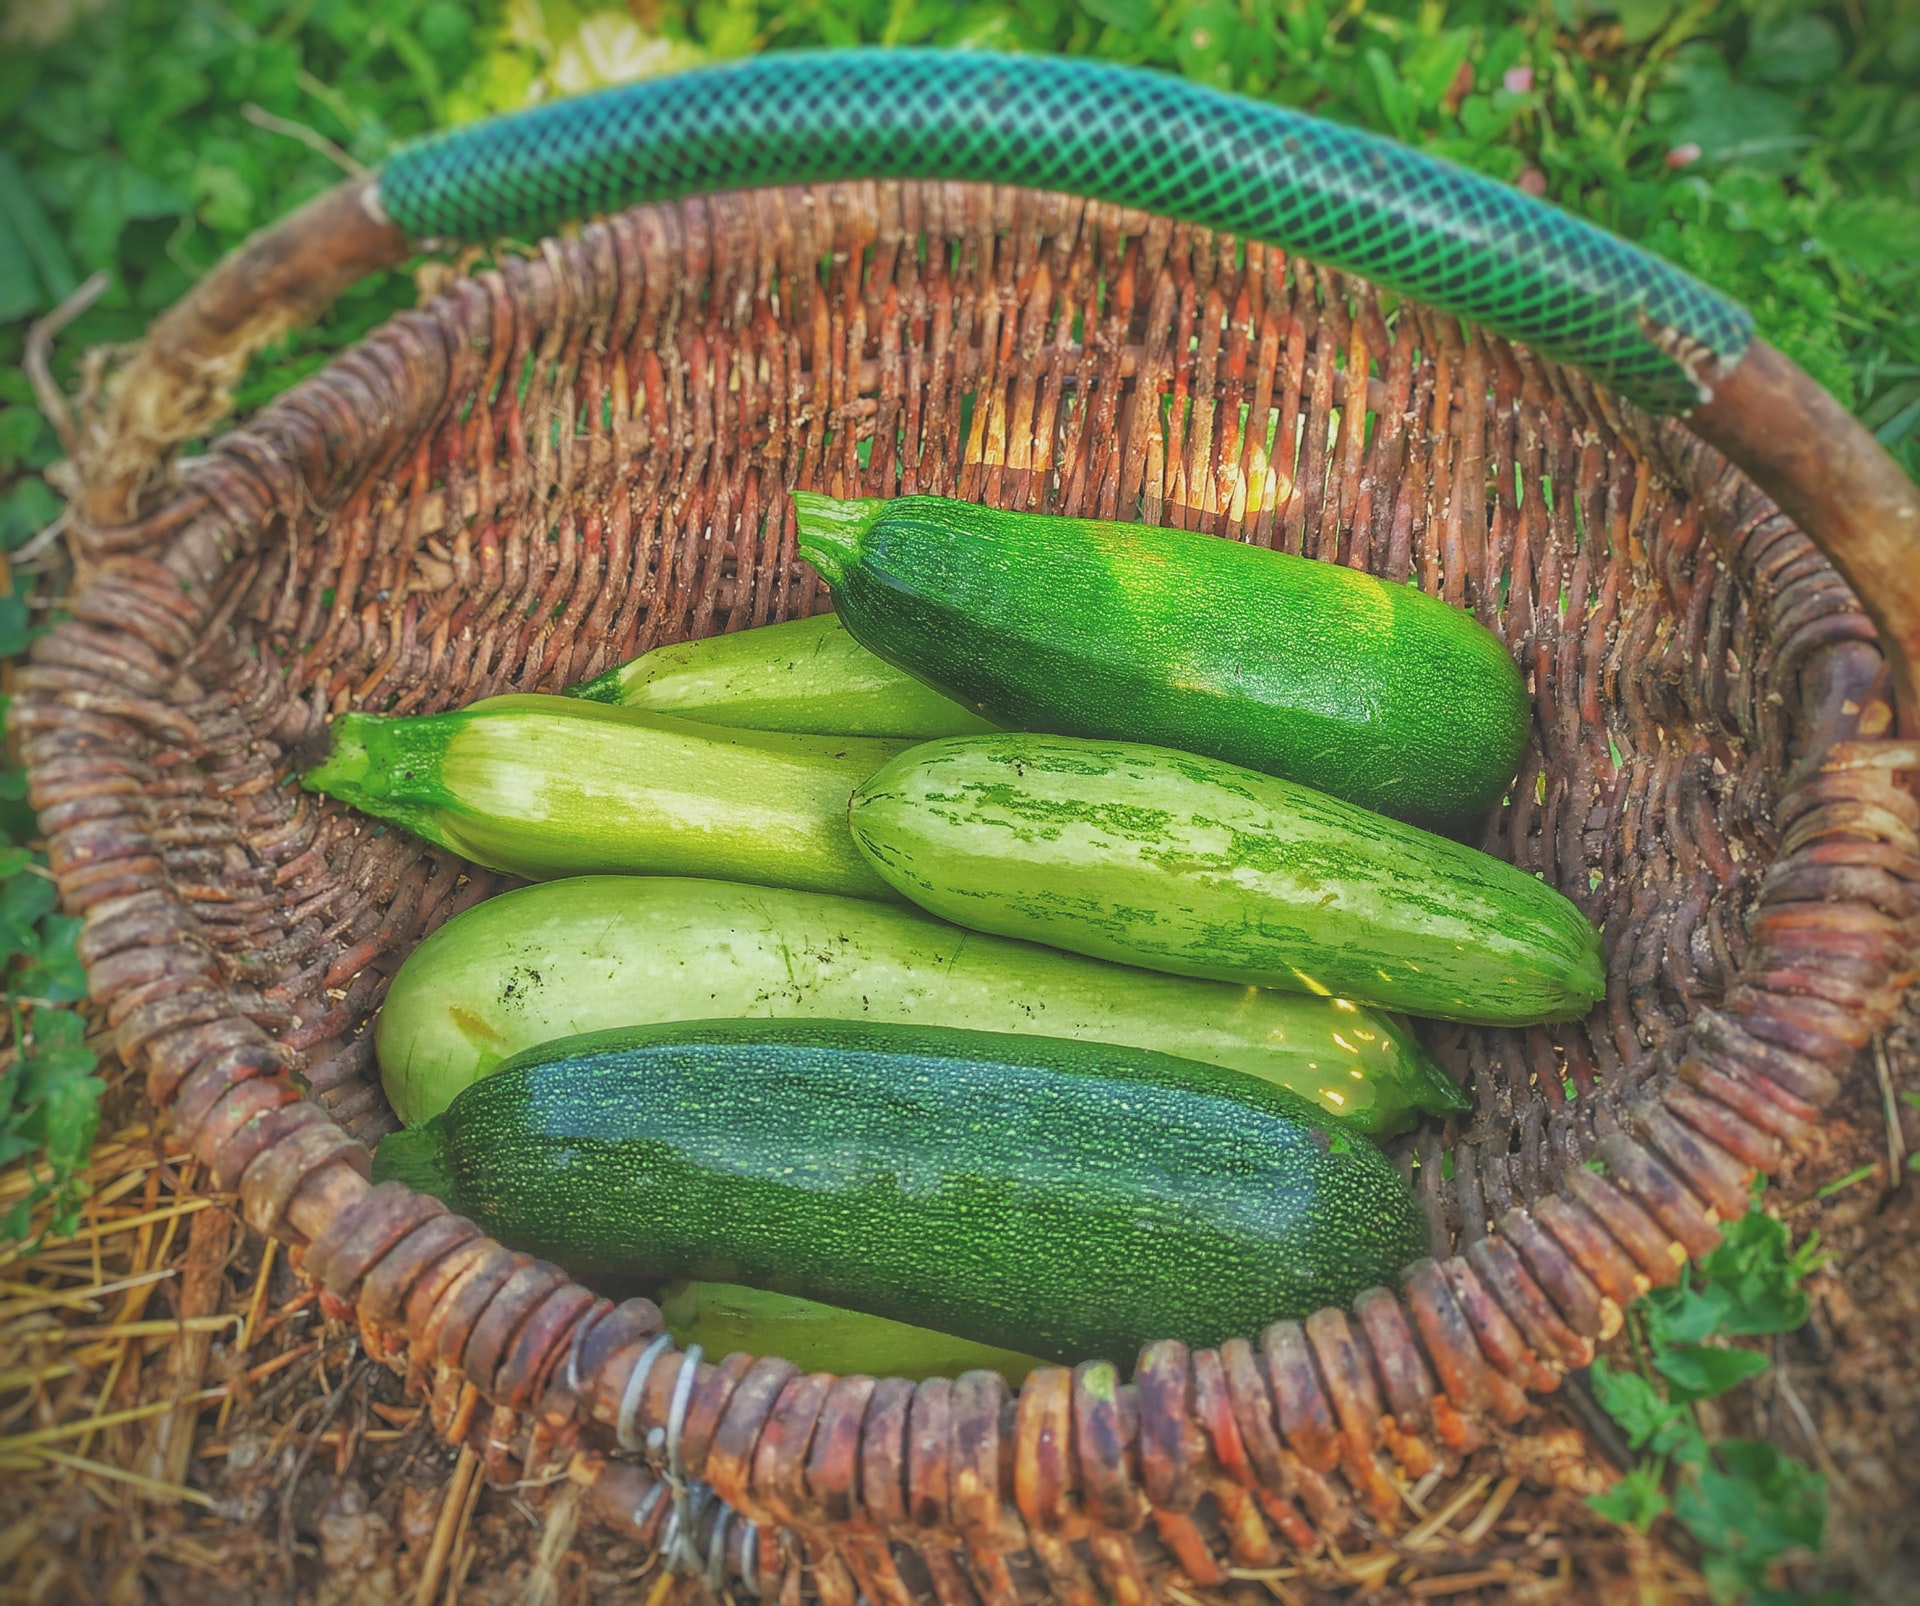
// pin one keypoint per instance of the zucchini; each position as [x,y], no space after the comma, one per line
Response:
[607,951]
[805,675]
[1184,864]
[1070,1200]
[553,786]
[724,1317]
[1374,692]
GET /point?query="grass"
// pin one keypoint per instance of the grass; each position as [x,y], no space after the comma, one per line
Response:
[1771,146]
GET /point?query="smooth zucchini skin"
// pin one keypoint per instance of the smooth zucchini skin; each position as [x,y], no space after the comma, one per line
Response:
[600,952]
[1150,857]
[554,786]
[803,675]
[723,1318]
[1370,691]
[1070,1200]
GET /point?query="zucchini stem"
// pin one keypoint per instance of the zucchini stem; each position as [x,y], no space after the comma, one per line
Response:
[417,1156]
[389,768]
[348,763]
[609,686]
[831,530]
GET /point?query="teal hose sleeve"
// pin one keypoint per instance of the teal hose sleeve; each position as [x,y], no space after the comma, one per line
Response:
[1430,230]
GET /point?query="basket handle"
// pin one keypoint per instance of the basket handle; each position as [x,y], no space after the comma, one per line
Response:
[179,382]
[1410,222]
[1135,138]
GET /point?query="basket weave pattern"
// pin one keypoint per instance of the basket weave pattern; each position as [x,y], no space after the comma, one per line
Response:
[560,463]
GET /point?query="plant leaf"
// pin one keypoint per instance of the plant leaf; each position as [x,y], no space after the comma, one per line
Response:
[1129,16]
[32,234]
[1637,1500]
[29,507]
[1649,1421]
[1754,1506]
[1788,49]
[1702,1371]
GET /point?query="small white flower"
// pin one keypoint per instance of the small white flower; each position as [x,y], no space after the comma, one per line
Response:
[611,49]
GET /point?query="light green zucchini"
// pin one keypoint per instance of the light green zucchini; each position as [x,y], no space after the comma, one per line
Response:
[723,1318]
[553,786]
[609,951]
[805,675]
[1150,857]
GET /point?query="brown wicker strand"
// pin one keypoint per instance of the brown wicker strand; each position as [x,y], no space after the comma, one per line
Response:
[578,454]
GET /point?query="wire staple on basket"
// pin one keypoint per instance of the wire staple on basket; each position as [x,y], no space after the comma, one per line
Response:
[623,1429]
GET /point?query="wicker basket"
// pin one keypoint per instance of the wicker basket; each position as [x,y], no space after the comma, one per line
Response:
[560,462]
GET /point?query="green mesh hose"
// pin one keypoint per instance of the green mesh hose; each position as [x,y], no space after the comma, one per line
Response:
[1421,226]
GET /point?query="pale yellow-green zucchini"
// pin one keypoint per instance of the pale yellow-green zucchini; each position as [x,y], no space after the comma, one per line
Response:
[553,786]
[724,1317]
[602,952]
[805,675]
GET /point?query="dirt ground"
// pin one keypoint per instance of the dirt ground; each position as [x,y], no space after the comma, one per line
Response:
[179,1424]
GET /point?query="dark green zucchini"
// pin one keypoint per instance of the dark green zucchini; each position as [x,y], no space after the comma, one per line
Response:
[1373,692]
[1070,1200]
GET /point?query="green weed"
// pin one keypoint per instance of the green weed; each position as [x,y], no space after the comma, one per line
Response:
[49,1096]
[1746,1503]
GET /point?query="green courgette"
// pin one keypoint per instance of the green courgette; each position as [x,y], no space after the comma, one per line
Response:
[805,675]
[1178,863]
[724,1317]
[1069,1200]
[1371,691]
[608,951]
[554,786]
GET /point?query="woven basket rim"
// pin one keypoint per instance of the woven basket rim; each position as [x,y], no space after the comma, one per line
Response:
[599,1377]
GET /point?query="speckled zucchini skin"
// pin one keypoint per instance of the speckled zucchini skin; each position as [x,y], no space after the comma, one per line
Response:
[1370,691]
[1069,1200]
[1184,864]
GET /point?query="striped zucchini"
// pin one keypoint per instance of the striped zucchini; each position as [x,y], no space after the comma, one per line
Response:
[1151,857]
[723,1318]
[1069,1200]
[805,675]
[607,951]
[553,786]
[1374,692]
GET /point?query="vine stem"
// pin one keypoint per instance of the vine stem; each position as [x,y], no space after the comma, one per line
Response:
[37,361]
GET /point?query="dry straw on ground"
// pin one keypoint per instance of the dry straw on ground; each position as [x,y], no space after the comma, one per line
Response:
[179,1422]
